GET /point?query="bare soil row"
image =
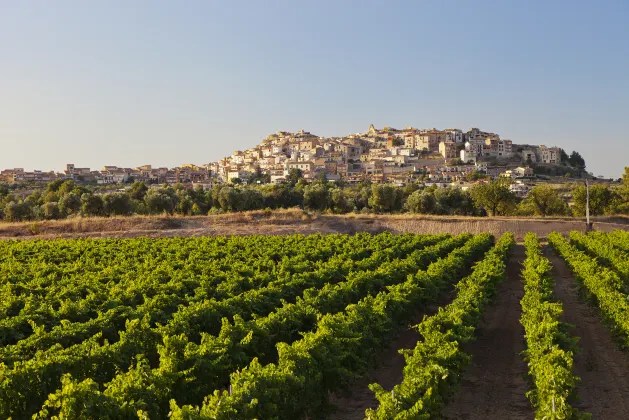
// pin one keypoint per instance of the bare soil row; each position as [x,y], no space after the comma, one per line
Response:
[603,368]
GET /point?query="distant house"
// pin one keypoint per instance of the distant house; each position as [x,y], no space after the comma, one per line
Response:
[205,184]
[468,155]
[447,149]
[429,141]
[304,166]
[517,172]
[529,155]
[240,174]
[520,188]
[549,155]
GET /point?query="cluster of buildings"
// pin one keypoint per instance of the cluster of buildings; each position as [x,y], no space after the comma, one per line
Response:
[384,155]
[379,155]
[185,174]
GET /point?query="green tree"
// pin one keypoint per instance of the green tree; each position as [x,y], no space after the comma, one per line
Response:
[69,204]
[201,198]
[564,157]
[624,185]
[525,208]
[475,175]
[54,186]
[259,177]
[453,201]
[159,201]
[51,196]
[576,160]
[117,204]
[250,199]
[197,210]
[214,194]
[35,199]
[184,206]
[301,185]
[358,196]
[138,191]
[293,177]
[316,197]
[50,211]
[494,197]
[66,187]
[386,198]
[281,196]
[339,202]
[421,202]
[17,211]
[410,188]
[92,205]
[545,201]
[622,205]
[602,199]
[229,199]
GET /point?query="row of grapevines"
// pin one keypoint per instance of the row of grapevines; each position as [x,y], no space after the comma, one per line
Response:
[160,307]
[80,290]
[618,238]
[603,250]
[70,334]
[80,398]
[549,348]
[206,316]
[38,267]
[602,284]
[433,367]
[187,371]
[327,359]
[73,289]
[24,387]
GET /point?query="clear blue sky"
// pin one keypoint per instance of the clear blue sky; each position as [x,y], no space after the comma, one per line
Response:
[169,82]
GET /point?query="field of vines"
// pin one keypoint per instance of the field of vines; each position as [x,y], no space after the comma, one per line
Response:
[306,326]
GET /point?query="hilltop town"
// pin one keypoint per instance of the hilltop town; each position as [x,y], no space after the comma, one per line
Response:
[387,155]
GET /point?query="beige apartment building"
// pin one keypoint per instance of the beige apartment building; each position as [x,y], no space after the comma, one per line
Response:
[429,141]
[447,149]
[550,155]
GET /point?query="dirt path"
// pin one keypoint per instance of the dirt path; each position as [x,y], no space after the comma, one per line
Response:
[494,385]
[602,367]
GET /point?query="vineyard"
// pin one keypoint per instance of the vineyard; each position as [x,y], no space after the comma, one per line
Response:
[317,326]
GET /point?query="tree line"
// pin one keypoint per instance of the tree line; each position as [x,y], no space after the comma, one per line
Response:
[65,198]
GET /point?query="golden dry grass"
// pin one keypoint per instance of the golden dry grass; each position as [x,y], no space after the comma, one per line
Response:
[290,221]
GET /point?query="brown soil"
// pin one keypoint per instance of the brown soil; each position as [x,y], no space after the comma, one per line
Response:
[285,222]
[493,386]
[604,369]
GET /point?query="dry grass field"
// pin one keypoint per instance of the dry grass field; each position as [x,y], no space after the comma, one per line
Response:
[291,221]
